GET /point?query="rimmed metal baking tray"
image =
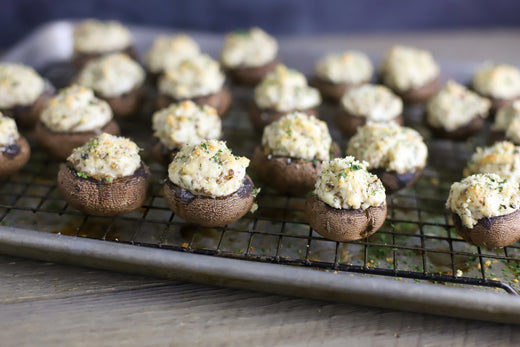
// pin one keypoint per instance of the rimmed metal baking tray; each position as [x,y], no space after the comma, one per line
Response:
[416,262]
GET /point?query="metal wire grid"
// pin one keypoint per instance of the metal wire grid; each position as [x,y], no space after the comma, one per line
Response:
[417,241]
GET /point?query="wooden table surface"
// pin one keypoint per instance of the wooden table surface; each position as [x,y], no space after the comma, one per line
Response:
[48,304]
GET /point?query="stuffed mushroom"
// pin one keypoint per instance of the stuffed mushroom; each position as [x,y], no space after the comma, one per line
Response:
[105,177]
[348,202]
[14,148]
[184,123]
[94,38]
[507,124]
[118,80]
[485,210]
[282,91]
[410,72]
[455,112]
[249,55]
[207,185]
[199,79]
[368,103]
[336,73]
[292,153]
[23,93]
[71,119]
[396,154]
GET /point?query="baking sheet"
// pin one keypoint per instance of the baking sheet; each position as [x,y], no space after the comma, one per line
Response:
[410,231]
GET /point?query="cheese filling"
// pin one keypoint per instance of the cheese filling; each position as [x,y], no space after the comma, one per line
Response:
[194,77]
[374,102]
[95,36]
[169,51]
[112,75]
[248,48]
[390,147]
[208,168]
[76,109]
[507,120]
[106,157]
[20,85]
[345,183]
[503,159]
[297,135]
[286,90]
[407,68]
[8,131]
[348,67]
[499,81]
[186,123]
[483,196]
[455,106]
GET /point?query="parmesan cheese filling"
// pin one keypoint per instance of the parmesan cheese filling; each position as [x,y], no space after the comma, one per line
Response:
[507,120]
[407,68]
[503,159]
[8,131]
[345,183]
[499,81]
[390,147]
[208,168]
[297,135]
[20,85]
[169,51]
[284,90]
[106,157]
[197,76]
[374,102]
[350,67]
[112,75]
[455,106]
[483,196]
[95,36]
[186,123]
[248,48]
[76,109]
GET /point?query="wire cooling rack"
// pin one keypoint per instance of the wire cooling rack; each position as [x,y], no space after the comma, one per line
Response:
[417,241]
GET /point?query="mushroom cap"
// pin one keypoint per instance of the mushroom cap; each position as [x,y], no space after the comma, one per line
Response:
[162,154]
[12,161]
[250,76]
[342,224]
[128,103]
[80,59]
[60,145]
[461,133]
[332,91]
[420,94]
[220,100]
[491,232]
[28,116]
[101,198]
[208,211]
[260,118]
[394,181]
[348,123]
[288,175]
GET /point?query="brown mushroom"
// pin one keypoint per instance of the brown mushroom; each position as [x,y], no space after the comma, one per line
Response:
[101,197]
[220,100]
[209,211]
[349,123]
[420,94]
[162,154]
[394,181]
[332,91]
[126,104]
[462,133]
[287,175]
[14,157]
[251,76]
[28,116]
[343,224]
[60,145]
[80,59]
[262,117]
[500,231]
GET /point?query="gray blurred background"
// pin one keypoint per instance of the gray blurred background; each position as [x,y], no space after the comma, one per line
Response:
[296,17]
